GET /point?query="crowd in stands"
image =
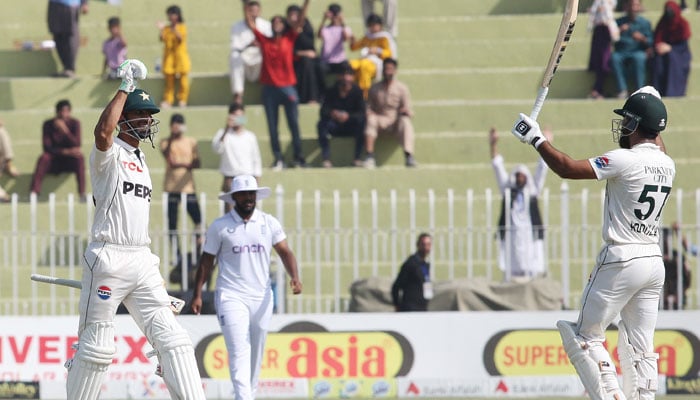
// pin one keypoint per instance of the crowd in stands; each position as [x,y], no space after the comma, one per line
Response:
[635,53]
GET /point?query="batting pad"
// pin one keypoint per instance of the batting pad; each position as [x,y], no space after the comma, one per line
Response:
[176,356]
[639,369]
[585,366]
[87,368]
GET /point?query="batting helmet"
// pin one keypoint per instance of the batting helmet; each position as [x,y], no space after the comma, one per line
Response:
[141,128]
[645,110]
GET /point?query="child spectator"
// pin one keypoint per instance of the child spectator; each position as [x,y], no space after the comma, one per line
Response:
[176,59]
[114,49]
[374,47]
[334,35]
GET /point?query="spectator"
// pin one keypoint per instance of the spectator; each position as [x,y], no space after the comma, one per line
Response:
[307,64]
[631,50]
[671,62]
[6,155]
[176,59]
[389,111]
[279,81]
[63,16]
[374,47]
[181,157]
[391,8]
[114,48]
[413,287]
[333,35]
[343,113]
[238,148]
[246,59]
[602,23]
[61,137]
[525,257]
[669,248]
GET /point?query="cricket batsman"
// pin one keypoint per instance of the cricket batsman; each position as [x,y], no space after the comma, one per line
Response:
[118,265]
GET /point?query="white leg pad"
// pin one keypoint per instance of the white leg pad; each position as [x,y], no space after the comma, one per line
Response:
[640,375]
[86,370]
[598,378]
[176,356]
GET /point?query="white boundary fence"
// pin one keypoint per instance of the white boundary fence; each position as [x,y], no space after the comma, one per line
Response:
[337,237]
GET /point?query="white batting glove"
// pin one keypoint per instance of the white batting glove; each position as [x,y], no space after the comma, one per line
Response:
[130,71]
[527,130]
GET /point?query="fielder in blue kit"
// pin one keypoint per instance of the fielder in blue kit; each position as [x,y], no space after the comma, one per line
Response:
[628,277]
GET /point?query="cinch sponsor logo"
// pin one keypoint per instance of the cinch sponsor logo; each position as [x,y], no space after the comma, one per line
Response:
[104,292]
[540,352]
[306,350]
[380,388]
[321,389]
[248,248]
[137,190]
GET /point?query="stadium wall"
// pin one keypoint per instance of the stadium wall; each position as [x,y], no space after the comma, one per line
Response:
[436,354]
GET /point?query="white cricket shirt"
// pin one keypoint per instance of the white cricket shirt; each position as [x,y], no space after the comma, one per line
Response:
[121,185]
[243,251]
[638,187]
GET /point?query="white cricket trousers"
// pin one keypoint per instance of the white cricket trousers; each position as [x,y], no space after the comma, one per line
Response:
[244,323]
[631,289]
[113,274]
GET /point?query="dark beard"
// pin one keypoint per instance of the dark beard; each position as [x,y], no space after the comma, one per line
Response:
[244,213]
[625,142]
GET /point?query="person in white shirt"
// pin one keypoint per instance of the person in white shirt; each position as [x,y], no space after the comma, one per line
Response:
[521,247]
[241,242]
[118,266]
[246,59]
[628,277]
[238,148]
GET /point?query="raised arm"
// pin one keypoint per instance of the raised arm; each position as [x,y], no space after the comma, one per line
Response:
[249,18]
[299,26]
[108,121]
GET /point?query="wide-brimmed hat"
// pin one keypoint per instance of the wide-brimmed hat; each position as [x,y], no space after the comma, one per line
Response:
[245,183]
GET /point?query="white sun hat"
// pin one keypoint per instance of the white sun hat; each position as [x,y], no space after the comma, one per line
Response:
[245,183]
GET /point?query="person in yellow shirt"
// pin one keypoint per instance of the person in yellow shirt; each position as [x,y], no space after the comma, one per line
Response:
[176,59]
[375,46]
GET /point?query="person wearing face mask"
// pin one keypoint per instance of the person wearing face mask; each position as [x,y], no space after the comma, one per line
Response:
[671,62]
[238,148]
[181,157]
[628,277]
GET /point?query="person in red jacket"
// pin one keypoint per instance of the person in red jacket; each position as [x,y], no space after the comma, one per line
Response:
[279,80]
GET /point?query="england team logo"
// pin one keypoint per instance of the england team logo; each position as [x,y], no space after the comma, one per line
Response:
[104,292]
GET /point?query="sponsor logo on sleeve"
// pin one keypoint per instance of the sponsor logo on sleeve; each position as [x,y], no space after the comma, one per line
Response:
[602,162]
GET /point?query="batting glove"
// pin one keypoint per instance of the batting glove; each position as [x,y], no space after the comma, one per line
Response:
[130,71]
[527,130]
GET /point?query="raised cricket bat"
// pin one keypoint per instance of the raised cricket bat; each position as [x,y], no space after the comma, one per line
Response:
[176,305]
[566,28]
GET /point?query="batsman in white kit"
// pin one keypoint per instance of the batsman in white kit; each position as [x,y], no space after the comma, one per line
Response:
[628,277]
[241,241]
[118,266]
